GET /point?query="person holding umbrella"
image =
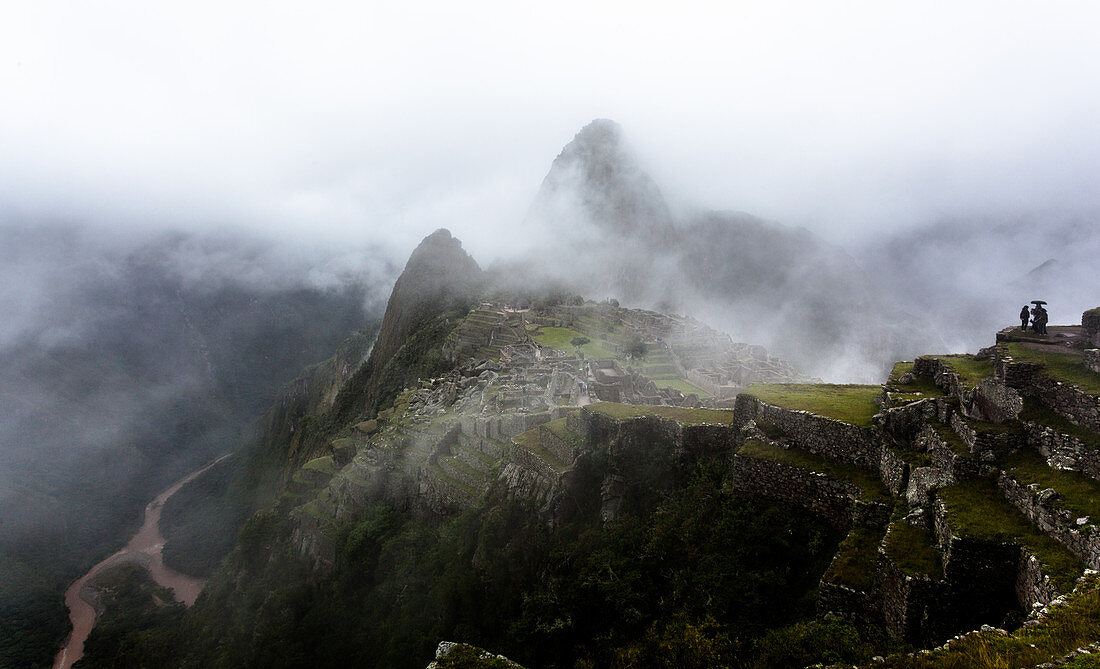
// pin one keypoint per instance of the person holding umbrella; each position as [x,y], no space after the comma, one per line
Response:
[1039,317]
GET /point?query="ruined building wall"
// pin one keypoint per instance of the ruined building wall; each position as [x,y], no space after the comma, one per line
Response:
[828,438]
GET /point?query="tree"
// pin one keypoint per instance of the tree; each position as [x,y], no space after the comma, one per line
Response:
[579,341]
[635,348]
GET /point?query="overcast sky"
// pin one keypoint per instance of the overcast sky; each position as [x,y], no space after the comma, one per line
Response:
[367,120]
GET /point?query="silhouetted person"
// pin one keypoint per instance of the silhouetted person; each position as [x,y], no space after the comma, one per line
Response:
[1024,315]
[1041,323]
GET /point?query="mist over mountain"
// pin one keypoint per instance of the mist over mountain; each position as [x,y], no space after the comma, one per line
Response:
[127,362]
[603,228]
[131,360]
[968,276]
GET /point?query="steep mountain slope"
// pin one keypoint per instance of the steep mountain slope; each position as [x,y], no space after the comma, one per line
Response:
[438,276]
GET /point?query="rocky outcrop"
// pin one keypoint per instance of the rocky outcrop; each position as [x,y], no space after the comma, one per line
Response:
[464,656]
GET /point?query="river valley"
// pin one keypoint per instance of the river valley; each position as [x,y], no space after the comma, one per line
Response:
[144,548]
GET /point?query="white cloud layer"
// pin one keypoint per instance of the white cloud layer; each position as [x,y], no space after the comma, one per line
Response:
[368,121]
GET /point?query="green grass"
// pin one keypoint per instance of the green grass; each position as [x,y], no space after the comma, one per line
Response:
[560,338]
[1064,367]
[1080,493]
[867,481]
[900,369]
[1063,629]
[913,550]
[680,414]
[1038,412]
[984,427]
[977,510]
[854,564]
[681,385]
[559,429]
[970,371]
[848,403]
[323,464]
[914,458]
[952,439]
[920,388]
[529,441]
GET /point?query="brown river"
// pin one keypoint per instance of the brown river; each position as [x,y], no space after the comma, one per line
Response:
[145,549]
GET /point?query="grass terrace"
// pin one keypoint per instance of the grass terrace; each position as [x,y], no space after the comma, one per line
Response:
[921,387]
[852,404]
[323,465]
[868,482]
[1080,493]
[529,441]
[1038,412]
[854,564]
[1062,630]
[977,510]
[680,414]
[560,430]
[952,439]
[970,371]
[913,550]
[681,385]
[561,339]
[1064,367]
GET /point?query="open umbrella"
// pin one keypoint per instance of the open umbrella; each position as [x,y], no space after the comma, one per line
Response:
[1038,302]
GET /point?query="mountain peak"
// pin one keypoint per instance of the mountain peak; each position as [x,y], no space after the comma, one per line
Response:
[596,179]
[439,275]
[598,136]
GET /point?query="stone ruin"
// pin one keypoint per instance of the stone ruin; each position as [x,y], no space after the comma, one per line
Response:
[696,353]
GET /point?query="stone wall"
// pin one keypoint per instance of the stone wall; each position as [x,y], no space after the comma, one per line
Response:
[833,501]
[894,472]
[502,427]
[563,449]
[987,581]
[1015,374]
[841,600]
[1074,405]
[828,438]
[910,604]
[1063,451]
[1041,507]
[1090,322]
[1091,360]
[528,477]
[956,466]
[1032,585]
[906,421]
